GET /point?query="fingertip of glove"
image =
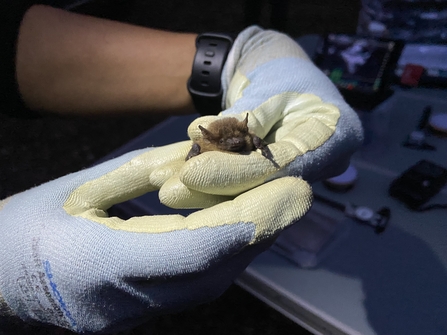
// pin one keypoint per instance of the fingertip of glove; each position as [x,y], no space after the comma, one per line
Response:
[289,199]
[196,171]
[160,176]
[289,187]
[224,173]
[193,129]
[175,194]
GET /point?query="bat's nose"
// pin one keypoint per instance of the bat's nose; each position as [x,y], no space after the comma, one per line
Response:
[236,143]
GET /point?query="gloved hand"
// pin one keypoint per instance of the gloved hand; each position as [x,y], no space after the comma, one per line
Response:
[292,105]
[65,262]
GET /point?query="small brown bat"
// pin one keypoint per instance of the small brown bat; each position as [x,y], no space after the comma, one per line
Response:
[228,135]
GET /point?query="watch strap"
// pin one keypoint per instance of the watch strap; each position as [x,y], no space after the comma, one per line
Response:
[205,85]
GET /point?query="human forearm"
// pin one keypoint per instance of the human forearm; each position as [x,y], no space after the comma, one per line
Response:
[75,64]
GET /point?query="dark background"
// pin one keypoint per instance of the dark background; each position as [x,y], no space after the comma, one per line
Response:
[33,151]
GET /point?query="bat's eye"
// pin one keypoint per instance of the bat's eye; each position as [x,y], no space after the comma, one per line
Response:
[221,141]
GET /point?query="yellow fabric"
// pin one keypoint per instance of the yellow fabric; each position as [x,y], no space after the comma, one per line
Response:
[127,182]
[239,82]
[288,200]
[303,124]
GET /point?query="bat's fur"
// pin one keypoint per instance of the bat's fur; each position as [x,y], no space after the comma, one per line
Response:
[229,135]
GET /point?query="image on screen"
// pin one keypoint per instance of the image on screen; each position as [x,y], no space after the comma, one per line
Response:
[354,63]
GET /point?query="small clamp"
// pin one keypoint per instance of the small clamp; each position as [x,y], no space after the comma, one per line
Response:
[378,220]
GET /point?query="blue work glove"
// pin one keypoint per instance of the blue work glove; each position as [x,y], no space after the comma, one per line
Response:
[65,262]
[310,130]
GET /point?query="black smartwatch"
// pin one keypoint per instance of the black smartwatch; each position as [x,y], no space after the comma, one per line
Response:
[204,85]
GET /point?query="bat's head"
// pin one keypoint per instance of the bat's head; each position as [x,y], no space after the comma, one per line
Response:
[228,134]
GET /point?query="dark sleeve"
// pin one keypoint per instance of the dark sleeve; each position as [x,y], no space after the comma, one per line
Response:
[11,14]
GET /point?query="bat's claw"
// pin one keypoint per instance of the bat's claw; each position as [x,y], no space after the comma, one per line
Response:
[195,151]
[259,144]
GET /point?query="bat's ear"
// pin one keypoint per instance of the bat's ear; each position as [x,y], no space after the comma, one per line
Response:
[205,132]
[245,122]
